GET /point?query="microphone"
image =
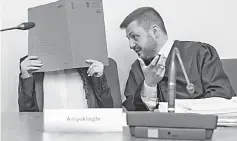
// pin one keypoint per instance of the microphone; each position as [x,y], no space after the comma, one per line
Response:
[23,26]
[172,80]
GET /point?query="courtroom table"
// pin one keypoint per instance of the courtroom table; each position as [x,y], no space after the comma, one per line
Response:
[29,127]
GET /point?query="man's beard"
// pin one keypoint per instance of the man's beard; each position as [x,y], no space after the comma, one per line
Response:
[151,48]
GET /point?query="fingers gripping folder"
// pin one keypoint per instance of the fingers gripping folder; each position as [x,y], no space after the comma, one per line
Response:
[184,126]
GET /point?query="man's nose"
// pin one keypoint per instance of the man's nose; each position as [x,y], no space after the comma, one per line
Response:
[131,44]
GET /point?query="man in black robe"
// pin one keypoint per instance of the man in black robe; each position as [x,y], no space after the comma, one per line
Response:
[147,84]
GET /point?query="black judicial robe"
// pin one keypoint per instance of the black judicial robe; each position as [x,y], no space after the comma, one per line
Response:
[203,67]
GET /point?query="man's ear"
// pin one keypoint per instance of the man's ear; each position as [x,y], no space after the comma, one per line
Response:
[155,31]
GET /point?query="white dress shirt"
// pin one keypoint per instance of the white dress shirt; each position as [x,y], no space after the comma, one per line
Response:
[149,94]
[64,90]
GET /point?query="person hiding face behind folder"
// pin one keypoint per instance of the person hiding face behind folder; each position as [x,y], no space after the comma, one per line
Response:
[76,88]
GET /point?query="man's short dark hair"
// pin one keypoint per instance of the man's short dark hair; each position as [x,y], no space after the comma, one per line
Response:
[145,16]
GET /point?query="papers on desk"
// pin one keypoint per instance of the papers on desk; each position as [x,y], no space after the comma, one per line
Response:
[234,99]
[225,109]
[214,105]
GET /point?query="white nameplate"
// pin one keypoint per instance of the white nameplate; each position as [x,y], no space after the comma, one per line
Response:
[84,120]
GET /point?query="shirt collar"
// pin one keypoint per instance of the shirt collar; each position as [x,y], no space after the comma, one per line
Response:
[166,48]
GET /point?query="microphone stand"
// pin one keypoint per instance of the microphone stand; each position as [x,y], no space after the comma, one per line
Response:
[172,83]
[172,80]
[23,26]
[9,29]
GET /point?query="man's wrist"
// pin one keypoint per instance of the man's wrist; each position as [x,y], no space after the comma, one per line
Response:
[150,87]
[150,102]
[149,91]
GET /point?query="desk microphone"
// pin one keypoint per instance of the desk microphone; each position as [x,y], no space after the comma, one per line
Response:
[23,26]
[172,80]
